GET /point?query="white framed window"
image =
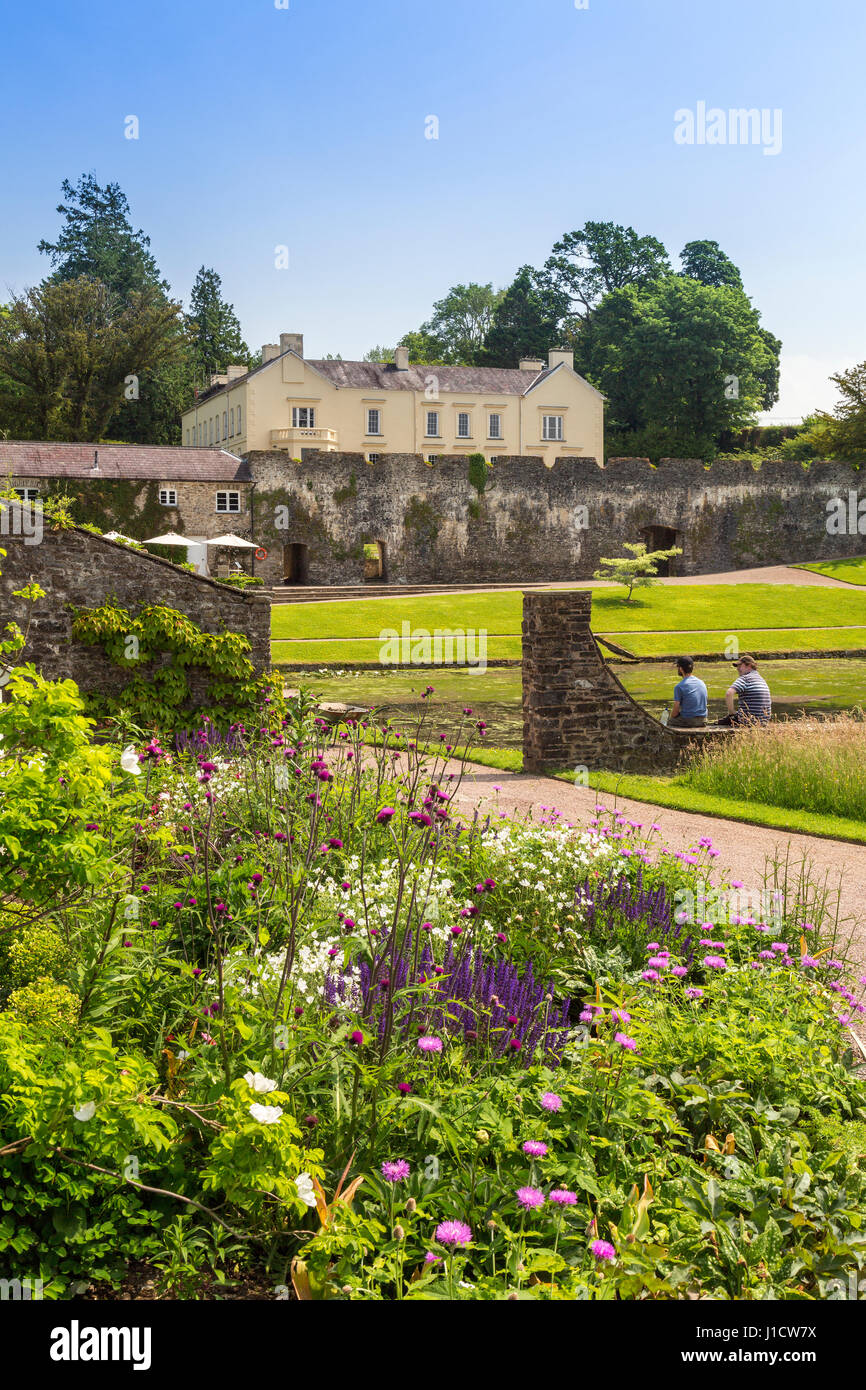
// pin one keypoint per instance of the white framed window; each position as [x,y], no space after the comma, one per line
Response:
[28,494]
[432,424]
[210,431]
[494,426]
[232,421]
[374,421]
[225,424]
[228,501]
[431,458]
[303,417]
[373,458]
[240,431]
[168,497]
[464,425]
[187,436]
[551,427]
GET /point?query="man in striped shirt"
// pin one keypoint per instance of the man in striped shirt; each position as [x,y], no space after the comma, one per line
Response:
[755,705]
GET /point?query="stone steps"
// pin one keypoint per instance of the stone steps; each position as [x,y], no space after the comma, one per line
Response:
[308,593]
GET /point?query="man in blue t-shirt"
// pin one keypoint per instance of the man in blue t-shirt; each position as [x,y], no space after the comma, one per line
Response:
[690,698]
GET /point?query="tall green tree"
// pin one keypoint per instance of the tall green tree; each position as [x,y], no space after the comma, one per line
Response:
[706,261]
[75,353]
[599,258]
[213,327]
[842,434]
[525,322]
[679,362]
[97,239]
[426,348]
[458,326]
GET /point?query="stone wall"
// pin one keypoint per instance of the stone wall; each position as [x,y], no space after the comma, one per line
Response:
[78,569]
[132,505]
[534,522]
[576,714]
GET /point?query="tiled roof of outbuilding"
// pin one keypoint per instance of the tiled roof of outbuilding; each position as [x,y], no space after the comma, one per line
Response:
[34,459]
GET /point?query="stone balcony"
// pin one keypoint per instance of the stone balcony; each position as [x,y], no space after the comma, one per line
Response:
[292,439]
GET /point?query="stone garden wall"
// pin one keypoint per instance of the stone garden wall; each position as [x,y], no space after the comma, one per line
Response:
[82,570]
[575,712]
[532,522]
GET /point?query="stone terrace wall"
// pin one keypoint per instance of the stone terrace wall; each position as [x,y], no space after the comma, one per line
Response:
[77,568]
[527,525]
[575,712]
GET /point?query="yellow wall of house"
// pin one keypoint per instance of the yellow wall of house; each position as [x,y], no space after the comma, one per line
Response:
[266,401]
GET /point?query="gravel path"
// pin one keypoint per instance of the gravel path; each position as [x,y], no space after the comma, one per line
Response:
[743,849]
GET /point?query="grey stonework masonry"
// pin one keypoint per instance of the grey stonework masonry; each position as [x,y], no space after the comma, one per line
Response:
[575,712]
[527,525]
[79,569]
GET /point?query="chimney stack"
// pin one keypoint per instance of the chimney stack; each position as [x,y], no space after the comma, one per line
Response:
[531,364]
[292,342]
[558,355]
[269,352]
[401,359]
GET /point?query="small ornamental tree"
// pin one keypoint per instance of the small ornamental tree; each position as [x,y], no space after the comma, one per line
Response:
[639,571]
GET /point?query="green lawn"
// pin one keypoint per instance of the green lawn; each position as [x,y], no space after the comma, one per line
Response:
[851,571]
[327,651]
[698,608]
[366,649]
[809,681]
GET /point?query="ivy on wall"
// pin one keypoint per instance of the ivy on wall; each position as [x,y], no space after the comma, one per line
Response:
[235,693]
[479,471]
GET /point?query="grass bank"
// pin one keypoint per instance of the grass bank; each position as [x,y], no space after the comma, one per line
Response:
[721,608]
[851,571]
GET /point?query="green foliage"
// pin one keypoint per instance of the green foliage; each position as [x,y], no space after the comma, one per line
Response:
[45,1005]
[36,951]
[706,261]
[67,346]
[639,571]
[53,783]
[680,362]
[841,435]
[213,327]
[163,696]
[242,581]
[458,326]
[479,472]
[526,321]
[600,258]
[97,240]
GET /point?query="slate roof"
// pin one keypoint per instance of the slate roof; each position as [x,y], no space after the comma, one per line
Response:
[140,462]
[384,376]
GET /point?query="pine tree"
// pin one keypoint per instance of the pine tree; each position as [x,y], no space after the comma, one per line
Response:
[213,326]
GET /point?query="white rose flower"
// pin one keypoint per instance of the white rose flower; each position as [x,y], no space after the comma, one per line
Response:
[129,761]
[258,1082]
[85,1112]
[266,1114]
[304,1184]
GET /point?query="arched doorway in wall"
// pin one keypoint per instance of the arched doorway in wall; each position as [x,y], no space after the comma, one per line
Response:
[374,563]
[662,538]
[296,563]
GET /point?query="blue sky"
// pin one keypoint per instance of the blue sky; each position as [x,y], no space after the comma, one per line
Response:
[305,127]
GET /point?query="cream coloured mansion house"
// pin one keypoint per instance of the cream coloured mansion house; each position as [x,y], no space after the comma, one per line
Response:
[291,403]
